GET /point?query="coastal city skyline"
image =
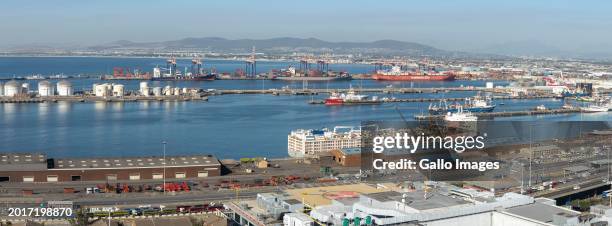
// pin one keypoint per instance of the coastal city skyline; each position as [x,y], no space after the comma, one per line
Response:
[545,28]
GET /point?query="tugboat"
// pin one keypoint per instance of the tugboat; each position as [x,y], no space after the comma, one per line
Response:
[475,104]
[351,97]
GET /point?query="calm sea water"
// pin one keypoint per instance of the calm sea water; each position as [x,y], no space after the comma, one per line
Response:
[230,126]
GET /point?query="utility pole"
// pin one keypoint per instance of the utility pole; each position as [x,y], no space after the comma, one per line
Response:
[164,178]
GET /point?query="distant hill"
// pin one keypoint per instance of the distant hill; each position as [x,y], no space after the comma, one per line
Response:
[289,45]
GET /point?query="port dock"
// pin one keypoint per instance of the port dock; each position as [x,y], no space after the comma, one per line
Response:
[359,90]
[52,99]
[506,113]
[414,100]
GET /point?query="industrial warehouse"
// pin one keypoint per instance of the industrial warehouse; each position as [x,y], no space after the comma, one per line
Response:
[36,167]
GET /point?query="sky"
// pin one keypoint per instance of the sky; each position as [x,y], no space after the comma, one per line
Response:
[453,25]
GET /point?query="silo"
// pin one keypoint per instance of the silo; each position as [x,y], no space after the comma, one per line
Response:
[45,89]
[12,88]
[157,91]
[64,88]
[144,88]
[118,90]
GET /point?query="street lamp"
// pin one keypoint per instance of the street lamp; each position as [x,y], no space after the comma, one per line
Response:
[164,167]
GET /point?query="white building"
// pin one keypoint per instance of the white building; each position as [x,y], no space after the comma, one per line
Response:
[297,219]
[446,206]
[45,89]
[310,143]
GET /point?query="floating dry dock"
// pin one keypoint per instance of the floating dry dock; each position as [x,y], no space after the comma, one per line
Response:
[98,99]
[506,113]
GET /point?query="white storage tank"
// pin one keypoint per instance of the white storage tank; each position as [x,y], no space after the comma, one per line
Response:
[64,88]
[103,90]
[157,91]
[25,87]
[156,72]
[1,89]
[118,90]
[168,91]
[12,88]
[144,88]
[177,91]
[184,89]
[45,89]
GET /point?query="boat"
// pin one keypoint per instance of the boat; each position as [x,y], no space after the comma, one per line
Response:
[477,103]
[315,77]
[595,108]
[540,107]
[460,116]
[397,74]
[351,97]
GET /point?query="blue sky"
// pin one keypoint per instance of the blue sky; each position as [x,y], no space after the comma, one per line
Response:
[456,25]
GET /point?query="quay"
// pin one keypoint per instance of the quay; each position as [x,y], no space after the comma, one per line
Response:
[413,100]
[361,90]
[84,98]
[506,113]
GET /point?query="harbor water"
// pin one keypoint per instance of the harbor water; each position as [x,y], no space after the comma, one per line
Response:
[228,126]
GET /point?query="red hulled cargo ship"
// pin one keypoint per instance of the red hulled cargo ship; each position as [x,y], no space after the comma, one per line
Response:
[396,74]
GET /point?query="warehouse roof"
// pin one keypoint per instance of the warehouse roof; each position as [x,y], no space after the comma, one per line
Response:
[135,162]
[23,161]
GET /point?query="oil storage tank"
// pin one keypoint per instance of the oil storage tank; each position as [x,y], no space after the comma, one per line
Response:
[45,89]
[12,88]
[64,88]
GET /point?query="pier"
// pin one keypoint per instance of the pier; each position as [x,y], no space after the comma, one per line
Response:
[360,90]
[414,100]
[53,99]
[506,113]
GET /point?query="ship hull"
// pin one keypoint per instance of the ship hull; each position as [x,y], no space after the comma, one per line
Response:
[313,79]
[334,102]
[413,77]
[195,78]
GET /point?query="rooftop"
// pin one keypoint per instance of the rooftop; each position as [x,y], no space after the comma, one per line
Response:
[23,161]
[540,211]
[135,162]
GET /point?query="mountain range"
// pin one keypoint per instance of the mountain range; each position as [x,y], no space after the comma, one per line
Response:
[290,45]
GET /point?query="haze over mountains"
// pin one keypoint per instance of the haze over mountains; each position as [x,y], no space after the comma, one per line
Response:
[288,45]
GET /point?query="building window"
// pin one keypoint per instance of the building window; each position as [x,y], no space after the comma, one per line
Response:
[52,178]
[158,176]
[111,177]
[75,178]
[202,173]
[134,176]
[28,178]
[179,175]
